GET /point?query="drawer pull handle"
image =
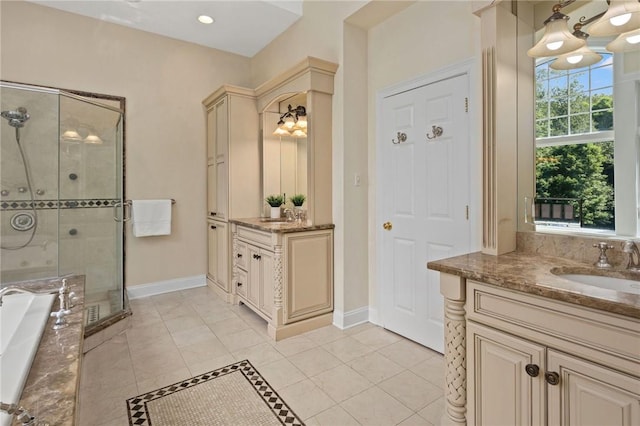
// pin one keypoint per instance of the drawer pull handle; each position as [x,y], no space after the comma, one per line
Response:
[214,227]
[532,370]
[239,284]
[552,378]
[239,255]
[257,256]
[213,213]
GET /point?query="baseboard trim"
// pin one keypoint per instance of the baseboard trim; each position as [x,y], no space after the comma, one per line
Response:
[168,286]
[344,320]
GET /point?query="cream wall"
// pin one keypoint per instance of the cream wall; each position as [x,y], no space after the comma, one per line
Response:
[423,38]
[164,82]
[376,45]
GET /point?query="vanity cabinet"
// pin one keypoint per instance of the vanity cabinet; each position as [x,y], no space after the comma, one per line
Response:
[532,361]
[284,273]
[233,174]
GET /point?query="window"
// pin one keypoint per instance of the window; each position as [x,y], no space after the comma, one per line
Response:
[575,146]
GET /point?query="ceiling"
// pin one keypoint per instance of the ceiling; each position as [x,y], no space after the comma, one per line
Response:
[243,27]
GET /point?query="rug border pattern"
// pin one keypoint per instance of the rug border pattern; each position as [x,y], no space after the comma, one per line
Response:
[139,414]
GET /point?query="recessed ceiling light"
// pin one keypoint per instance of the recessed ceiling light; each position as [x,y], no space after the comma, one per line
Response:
[205,19]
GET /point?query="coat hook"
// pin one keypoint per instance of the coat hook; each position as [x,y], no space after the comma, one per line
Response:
[402,137]
[437,131]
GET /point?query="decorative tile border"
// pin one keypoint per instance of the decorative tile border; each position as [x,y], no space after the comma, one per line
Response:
[139,415]
[58,204]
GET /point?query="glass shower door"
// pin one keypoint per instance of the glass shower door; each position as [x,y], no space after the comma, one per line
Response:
[90,183]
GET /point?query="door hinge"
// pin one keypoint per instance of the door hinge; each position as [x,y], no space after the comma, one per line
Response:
[467,212]
[466,104]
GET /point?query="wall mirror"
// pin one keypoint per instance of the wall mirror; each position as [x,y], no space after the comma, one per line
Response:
[284,155]
[585,142]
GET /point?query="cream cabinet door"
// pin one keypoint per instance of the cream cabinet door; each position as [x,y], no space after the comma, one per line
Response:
[589,394]
[506,384]
[217,256]
[254,273]
[267,282]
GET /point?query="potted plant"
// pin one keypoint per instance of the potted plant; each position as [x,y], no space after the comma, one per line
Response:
[275,201]
[297,200]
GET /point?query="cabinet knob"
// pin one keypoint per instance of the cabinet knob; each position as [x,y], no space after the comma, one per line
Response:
[239,284]
[214,227]
[387,226]
[257,256]
[239,255]
[532,370]
[552,378]
[212,213]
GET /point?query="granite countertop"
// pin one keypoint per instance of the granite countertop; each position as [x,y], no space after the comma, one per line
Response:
[531,273]
[51,391]
[279,226]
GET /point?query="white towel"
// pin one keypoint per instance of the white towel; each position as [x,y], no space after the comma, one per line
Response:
[151,217]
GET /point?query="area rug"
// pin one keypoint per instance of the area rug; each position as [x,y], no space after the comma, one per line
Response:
[231,395]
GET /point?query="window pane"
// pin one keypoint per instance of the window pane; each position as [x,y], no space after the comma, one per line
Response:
[542,110]
[602,77]
[579,83]
[558,107]
[602,99]
[603,120]
[558,87]
[556,73]
[579,179]
[558,126]
[542,92]
[542,128]
[579,103]
[542,71]
[580,124]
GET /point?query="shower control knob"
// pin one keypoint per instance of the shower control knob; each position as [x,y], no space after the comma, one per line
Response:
[73,176]
[73,231]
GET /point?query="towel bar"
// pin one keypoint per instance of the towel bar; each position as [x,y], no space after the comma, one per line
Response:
[125,204]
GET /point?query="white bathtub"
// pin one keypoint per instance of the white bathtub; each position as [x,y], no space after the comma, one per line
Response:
[22,321]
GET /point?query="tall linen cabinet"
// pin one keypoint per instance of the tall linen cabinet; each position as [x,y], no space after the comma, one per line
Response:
[233,175]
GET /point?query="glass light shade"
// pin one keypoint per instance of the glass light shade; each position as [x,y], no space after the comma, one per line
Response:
[289,123]
[625,42]
[71,135]
[557,40]
[302,122]
[621,16]
[281,132]
[582,57]
[93,139]
[299,133]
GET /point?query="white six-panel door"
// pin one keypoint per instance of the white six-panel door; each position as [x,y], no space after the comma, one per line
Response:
[423,195]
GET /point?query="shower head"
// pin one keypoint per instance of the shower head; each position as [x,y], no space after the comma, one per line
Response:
[16,118]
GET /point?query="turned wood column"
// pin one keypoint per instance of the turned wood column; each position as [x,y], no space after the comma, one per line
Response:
[453,289]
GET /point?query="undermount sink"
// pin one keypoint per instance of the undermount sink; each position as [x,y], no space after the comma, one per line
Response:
[622,284]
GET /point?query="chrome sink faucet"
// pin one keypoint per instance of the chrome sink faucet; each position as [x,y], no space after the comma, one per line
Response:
[631,248]
[603,260]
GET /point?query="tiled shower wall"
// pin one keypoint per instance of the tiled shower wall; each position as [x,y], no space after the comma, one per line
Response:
[77,188]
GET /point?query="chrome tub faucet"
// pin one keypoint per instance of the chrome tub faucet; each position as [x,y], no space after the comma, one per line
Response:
[631,249]
[19,413]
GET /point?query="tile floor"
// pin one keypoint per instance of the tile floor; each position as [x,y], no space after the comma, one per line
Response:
[364,375]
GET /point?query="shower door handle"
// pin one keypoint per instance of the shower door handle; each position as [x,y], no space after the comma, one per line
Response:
[125,216]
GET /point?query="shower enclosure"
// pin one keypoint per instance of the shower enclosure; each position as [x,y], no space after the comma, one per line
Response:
[61,192]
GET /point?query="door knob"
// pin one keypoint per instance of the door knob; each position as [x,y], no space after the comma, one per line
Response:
[387,225]
[532,370]
[552,378]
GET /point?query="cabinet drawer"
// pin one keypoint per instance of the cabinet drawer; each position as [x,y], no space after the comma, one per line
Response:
[242,283]
[555,322]
[259,238]
[241,255]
